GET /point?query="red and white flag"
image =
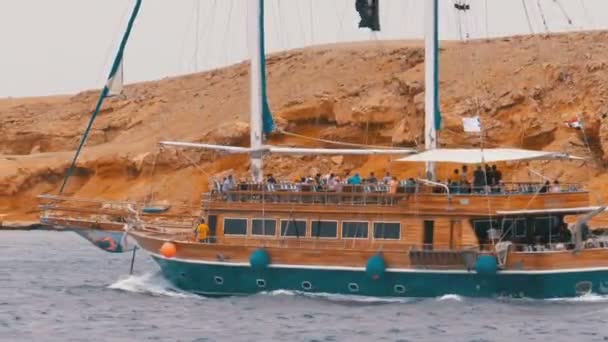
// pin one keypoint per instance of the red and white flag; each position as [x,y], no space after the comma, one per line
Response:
[574,123]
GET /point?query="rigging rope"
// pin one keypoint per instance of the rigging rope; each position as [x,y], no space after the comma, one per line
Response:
[338,143]
[563,10]
[529,21]
[542,16]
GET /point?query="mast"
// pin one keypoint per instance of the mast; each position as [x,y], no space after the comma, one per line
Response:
[256,17]
[113,86]
[432,117]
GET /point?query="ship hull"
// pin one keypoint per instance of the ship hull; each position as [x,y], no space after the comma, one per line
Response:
[229,279]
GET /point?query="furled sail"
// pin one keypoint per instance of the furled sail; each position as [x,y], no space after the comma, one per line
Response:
[112,87]
[267,120]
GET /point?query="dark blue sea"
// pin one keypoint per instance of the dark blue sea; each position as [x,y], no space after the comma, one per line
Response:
[56,287]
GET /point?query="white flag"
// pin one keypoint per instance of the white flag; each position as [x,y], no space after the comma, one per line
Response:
[115,82]
[471,125]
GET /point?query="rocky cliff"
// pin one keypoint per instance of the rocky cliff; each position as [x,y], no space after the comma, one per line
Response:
[524,88]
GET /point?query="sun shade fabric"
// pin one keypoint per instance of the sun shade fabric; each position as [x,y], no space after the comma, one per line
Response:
[478,156]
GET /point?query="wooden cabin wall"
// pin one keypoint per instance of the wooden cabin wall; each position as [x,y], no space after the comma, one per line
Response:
[411,231]
[468,237]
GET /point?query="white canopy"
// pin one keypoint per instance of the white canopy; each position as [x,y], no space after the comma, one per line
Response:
[479,156]
[290,150]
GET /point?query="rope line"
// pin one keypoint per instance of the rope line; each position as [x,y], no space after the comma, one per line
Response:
[339,143]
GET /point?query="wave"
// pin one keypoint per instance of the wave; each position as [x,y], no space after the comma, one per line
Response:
[150,283]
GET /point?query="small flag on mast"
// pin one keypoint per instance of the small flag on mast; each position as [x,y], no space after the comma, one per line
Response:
[116,82]
[369,11]
[471,125]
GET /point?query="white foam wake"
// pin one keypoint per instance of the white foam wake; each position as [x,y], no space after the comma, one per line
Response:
[450,297]
[588,298]
[150,283]
[338,297]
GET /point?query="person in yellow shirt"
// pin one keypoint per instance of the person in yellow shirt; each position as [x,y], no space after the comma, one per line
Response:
[202,232]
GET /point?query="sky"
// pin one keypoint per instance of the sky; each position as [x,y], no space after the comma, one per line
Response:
[66,46]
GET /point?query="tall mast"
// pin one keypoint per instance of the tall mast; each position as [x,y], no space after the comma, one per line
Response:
[256,17]
[432,117]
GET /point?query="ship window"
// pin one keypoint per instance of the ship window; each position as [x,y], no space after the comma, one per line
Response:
[295,228]
[481,228]
[514,227]
[235,226]
[387,230]
[353,287]
[544,225]
[355,230]
[261,283]
[306,285]
[324,229]
[218,280]
[263,227]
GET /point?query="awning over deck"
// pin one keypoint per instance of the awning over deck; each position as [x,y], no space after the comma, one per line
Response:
[290,150]
[479,156]
[575,210]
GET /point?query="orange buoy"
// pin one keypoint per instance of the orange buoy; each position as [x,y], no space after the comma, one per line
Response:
[168,250]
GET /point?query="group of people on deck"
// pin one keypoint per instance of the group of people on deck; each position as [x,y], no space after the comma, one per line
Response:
[333,182]
[485,179]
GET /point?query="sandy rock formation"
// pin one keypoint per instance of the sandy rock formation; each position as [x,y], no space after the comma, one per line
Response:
[359,92]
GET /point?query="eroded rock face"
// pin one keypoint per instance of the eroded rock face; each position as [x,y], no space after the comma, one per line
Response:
[362,93]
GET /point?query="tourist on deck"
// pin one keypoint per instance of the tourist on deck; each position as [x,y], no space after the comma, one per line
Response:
[410,186]
[464,175]
[497,175]
[354,180]
[318,179]
[228,184]
[545,187]
[489,177]
[387,179]
[372,178]
[479,179]
[556,187]
[332,182]
[270,179]
[393,185]
[201,232]
[455,176]
[454,181]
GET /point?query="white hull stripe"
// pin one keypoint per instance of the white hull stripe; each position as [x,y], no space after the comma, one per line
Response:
[362,269]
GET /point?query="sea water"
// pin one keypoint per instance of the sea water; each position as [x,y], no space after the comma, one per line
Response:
[57,287]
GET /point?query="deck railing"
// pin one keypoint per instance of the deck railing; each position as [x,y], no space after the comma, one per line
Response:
[377,194]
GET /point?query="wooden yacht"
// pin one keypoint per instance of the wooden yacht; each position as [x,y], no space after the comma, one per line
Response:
[425,239]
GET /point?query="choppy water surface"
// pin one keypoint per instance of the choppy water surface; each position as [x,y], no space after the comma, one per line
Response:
[57,287]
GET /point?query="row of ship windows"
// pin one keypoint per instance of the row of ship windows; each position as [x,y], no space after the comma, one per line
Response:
[321,229]
[307,285]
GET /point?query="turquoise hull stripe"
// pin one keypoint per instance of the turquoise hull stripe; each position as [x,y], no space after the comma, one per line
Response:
[267,119]
[216,279]
[436,66]
[104,93]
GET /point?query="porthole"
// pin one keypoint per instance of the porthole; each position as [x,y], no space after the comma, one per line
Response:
[261,283]
[583,288]
[306,285]
[400,289]
[218,280]
[353,287]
